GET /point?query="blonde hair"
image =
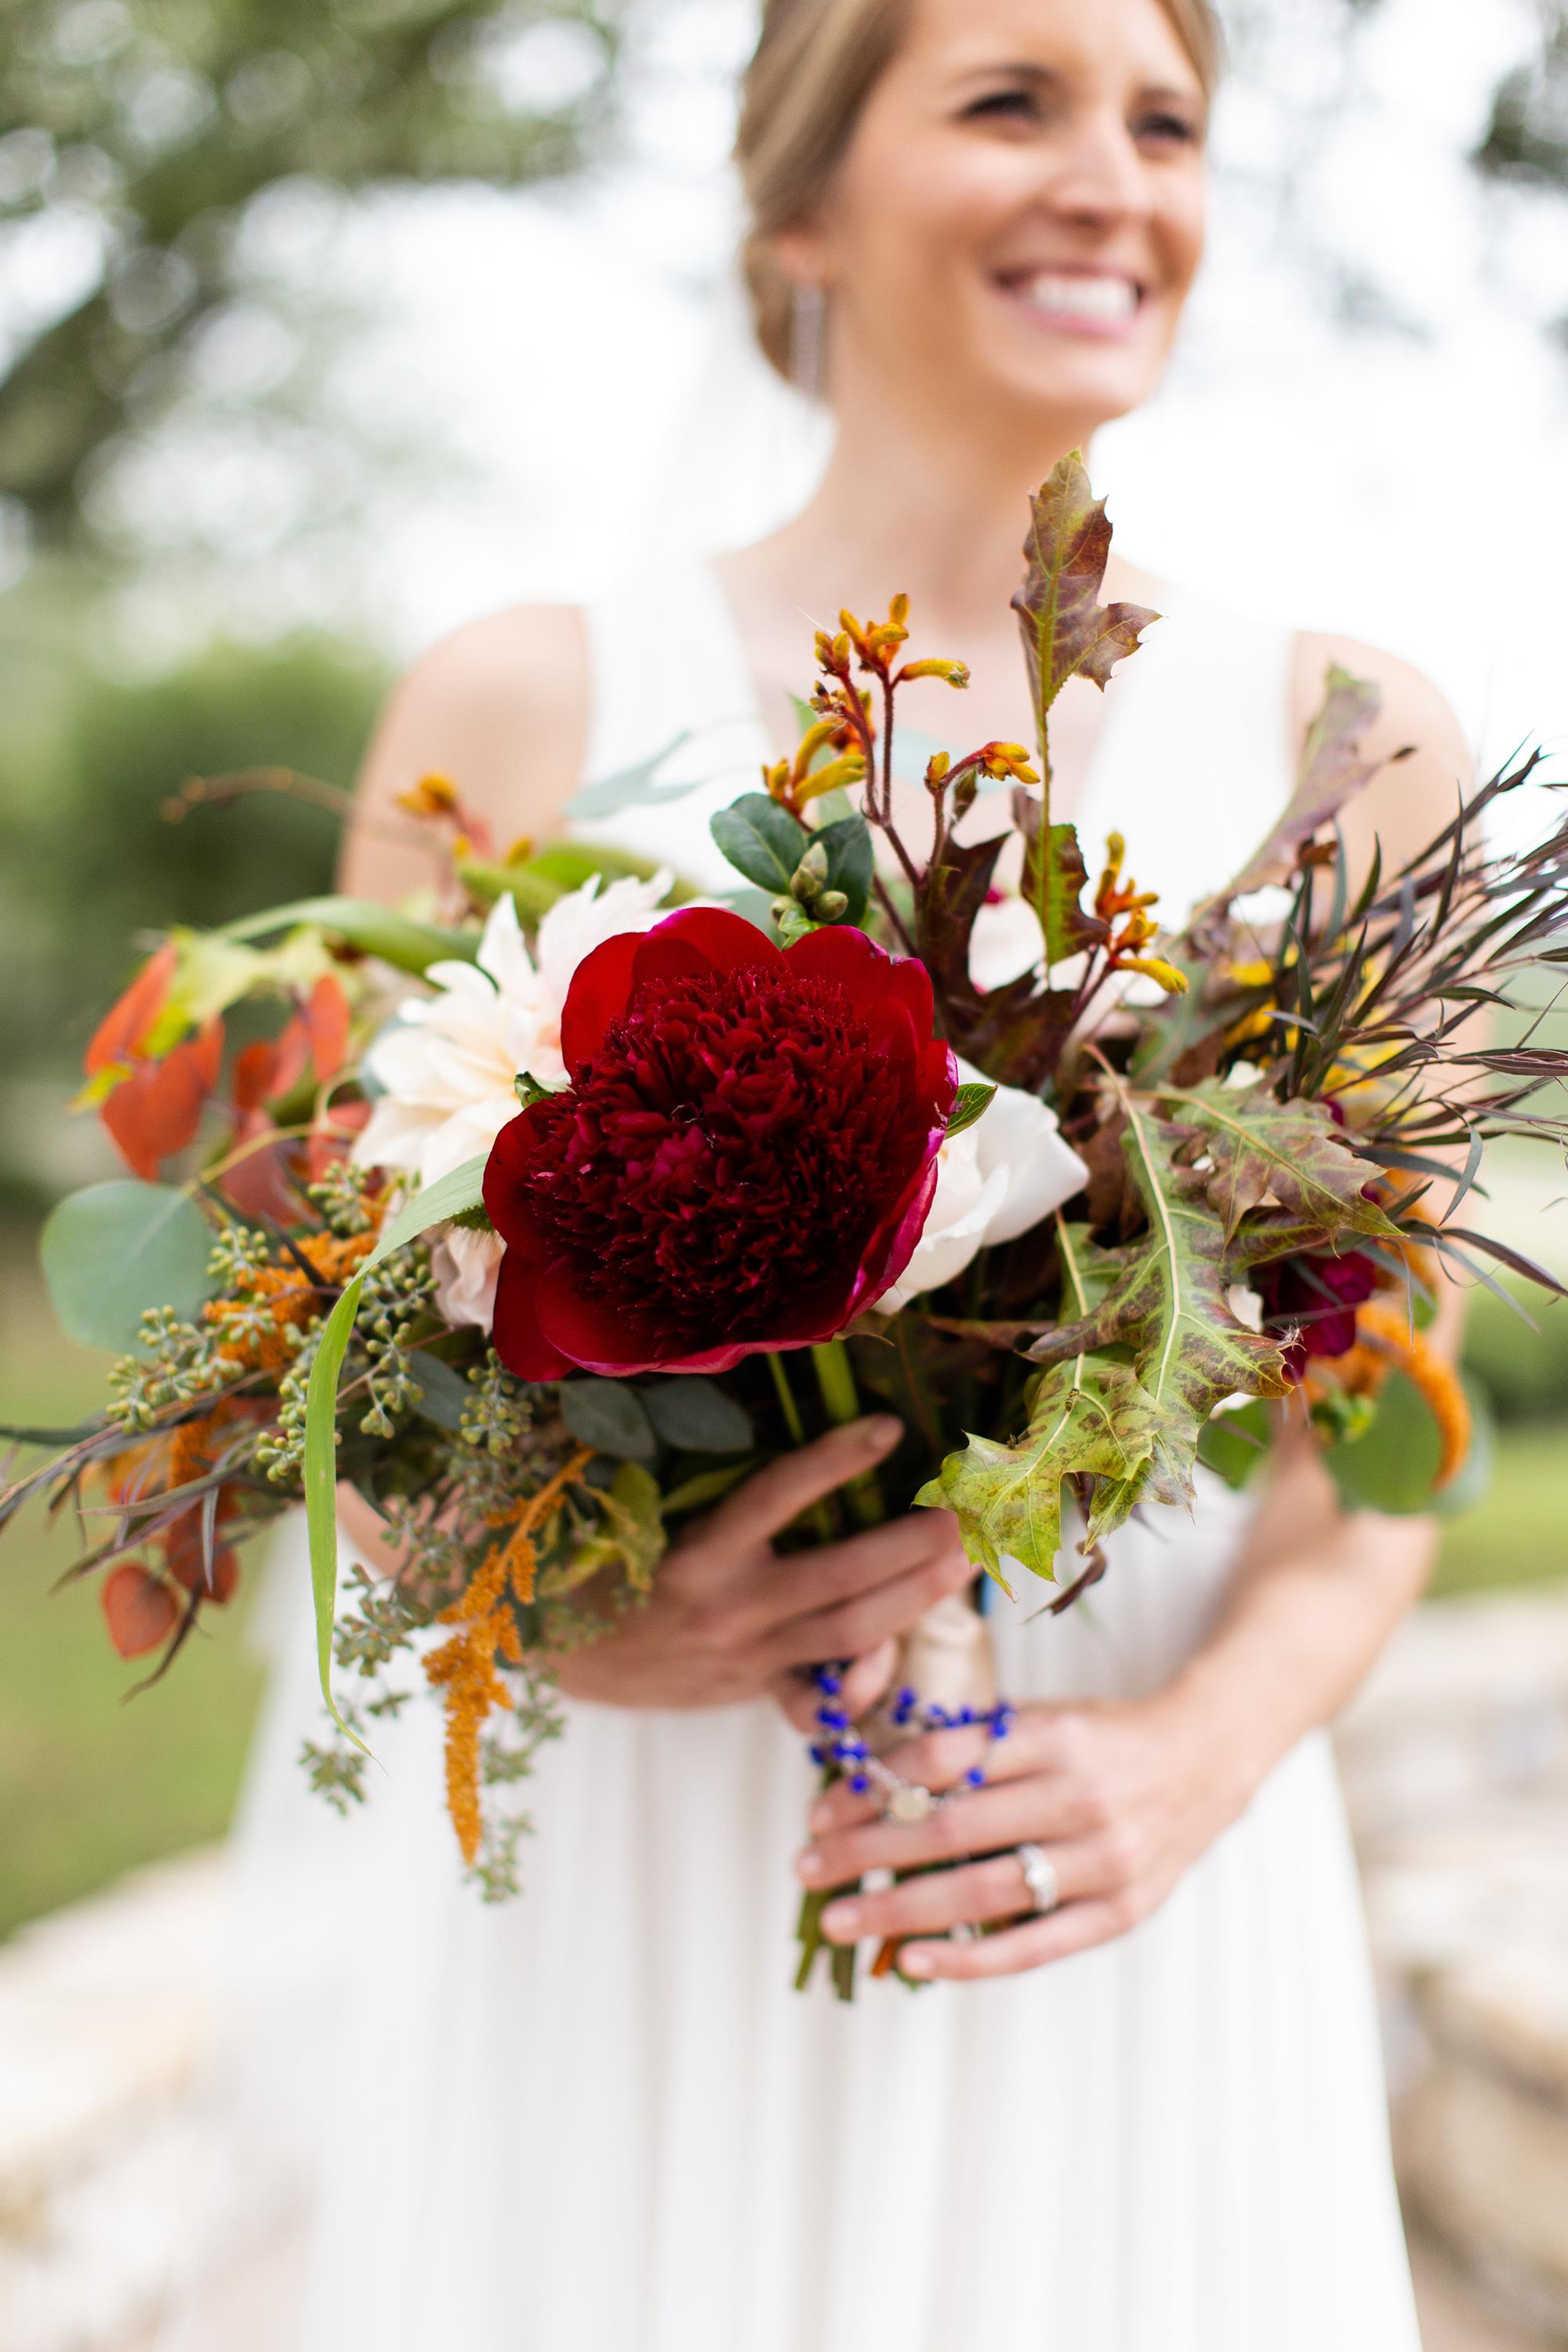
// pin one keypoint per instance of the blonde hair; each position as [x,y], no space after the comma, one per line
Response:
[814,65]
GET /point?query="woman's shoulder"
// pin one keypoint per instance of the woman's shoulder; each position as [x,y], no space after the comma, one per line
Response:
[501,707]
[523,661]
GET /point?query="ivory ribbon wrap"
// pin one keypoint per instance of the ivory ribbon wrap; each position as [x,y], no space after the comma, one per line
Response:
[947,1656]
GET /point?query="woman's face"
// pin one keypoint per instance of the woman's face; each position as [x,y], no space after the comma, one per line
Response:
[1019,217]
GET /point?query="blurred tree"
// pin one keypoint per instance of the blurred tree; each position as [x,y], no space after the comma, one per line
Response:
[1527,138]
[134,133]
[88,857]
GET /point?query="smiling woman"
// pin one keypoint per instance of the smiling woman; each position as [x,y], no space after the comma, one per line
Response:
[820,65]
[1161,2127]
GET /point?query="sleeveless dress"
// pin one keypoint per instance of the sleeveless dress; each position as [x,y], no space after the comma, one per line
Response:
[599,2119]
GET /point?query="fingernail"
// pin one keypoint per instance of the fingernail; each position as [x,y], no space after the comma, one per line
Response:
[916,1963]
[841,1919]
[879,1430]
[809,1864]
[821,1818]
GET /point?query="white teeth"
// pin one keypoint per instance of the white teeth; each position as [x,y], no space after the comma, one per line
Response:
[1103,300]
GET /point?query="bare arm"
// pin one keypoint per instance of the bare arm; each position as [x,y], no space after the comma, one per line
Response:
[1127,1795]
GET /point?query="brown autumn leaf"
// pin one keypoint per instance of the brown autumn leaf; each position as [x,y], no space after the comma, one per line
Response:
[1331,771]
[140,1609]
[1067,632]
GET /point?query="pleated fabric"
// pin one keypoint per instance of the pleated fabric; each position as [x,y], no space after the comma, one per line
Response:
[599,2119]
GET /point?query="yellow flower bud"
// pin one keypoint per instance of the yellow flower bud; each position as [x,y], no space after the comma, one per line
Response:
[1155,968]
[898,610]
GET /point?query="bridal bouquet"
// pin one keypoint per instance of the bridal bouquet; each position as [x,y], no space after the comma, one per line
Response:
[633,1193]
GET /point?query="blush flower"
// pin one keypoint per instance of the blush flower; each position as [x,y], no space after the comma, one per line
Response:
[744,1159]
[447,1068]
[994,1181]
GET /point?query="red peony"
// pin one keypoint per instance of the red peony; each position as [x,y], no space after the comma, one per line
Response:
[745,1158]
[1319,1295]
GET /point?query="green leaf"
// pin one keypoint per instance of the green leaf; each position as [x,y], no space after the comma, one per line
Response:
[707,1486]
[1092,1420]
[443,1392]
[849,862]
[1233,1445]
[761,840]
[632,787]
[1067,632]
[970,1103]
[1392,1466]
[609,1415]
[697,1416]
[322,1485]
[114,1250]
[1054,882]
[396,938]
[634,1508]
[1169,1308]
[448,1197]
[1291,1151]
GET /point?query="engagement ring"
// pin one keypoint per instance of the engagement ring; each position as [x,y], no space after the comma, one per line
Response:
[1039,1876]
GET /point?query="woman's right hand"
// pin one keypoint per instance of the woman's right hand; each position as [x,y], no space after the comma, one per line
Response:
[729,1619]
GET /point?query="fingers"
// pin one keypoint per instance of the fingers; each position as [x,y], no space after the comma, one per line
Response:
[940,1899]
[873,1617]
[1044,1809]
[810,1584]
[864,1681]
[764,1506]
[1014,1950]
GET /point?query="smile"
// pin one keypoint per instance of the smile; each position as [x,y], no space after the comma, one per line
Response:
[1102,303]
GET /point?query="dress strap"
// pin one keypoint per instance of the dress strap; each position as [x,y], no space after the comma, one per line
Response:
[668,675]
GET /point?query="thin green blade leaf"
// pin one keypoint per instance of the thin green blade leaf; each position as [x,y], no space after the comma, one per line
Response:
[397,940]
[322,1485]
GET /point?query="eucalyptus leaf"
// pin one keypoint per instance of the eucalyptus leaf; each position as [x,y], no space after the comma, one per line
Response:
[610,794]
[1392,1466]
[697,1415]
[609,1415]
[443,1392]
[970,1103]
[115,1250]
[761,840]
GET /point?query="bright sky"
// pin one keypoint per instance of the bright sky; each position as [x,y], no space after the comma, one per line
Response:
[553,356]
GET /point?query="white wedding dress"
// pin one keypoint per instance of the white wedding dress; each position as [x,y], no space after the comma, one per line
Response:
[598,2119]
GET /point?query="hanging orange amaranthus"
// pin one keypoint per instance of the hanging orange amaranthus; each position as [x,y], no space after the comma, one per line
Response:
[1387,1342]
[465,1667]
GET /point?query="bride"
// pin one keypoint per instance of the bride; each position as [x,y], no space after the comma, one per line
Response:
[1149,2118]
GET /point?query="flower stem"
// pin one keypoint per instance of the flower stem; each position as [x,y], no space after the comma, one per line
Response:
[841,1399]
[820,1517]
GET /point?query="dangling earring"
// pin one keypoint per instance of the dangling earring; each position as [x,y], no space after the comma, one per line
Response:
[807,337]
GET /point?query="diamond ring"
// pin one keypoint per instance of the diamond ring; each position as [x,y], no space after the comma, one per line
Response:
[1039,1876]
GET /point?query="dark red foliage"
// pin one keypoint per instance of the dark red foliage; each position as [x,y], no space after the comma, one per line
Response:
[1319,1295]
[745,1158]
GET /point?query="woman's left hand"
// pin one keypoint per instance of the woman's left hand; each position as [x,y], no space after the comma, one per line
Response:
[1121,1796]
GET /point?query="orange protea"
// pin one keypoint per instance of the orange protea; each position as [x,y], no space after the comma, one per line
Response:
[465,1667]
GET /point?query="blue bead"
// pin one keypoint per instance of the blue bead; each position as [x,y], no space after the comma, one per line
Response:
[859,1784]
[975,1777]
[834,1717]
[966,1714]
[830,1683]
[908,1695]
[817,1755]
